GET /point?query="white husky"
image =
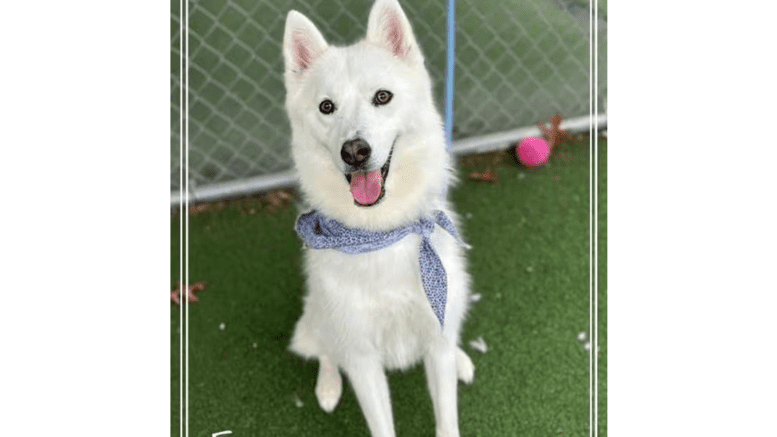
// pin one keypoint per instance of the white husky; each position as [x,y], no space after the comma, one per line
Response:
[369,149]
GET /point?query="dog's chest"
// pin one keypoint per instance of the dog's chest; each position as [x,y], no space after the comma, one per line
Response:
[381,297]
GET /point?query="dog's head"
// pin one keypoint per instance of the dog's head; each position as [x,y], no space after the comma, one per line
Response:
[367,140]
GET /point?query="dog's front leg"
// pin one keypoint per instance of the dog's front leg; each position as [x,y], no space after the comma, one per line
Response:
[329,385]
[371,386]
[441,375]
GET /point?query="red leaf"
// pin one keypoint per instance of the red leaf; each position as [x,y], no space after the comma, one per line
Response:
[197,287]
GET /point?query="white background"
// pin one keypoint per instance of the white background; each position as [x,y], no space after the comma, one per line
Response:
[692,234]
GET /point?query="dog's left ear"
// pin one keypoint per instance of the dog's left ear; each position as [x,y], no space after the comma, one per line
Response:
[389,28]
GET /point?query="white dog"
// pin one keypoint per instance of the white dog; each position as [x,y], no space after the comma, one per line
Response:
[386,278]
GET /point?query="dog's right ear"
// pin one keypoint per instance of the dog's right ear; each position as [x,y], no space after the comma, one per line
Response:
[302,44]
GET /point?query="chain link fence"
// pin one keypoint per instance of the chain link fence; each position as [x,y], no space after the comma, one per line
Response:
[517,63]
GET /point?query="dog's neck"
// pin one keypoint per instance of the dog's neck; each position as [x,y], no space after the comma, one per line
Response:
[320,232]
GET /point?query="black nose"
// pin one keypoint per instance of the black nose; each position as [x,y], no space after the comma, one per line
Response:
[355,152]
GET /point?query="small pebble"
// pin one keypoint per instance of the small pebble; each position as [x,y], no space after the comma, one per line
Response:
[468,215]
[222,326]
[581,336]
[587,346]
[530,269]
[475,297]
[521,175]
[256,345]
[298,402]
[479,345]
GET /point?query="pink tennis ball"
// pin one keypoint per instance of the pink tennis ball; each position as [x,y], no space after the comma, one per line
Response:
[533,151]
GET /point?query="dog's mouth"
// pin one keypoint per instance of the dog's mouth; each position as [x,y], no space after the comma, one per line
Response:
[368,188]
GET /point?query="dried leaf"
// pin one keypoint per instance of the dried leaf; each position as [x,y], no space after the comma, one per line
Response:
[486,176]
[554,133]
[197,287]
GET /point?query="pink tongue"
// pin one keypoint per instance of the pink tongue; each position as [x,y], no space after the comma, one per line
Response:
[365,187]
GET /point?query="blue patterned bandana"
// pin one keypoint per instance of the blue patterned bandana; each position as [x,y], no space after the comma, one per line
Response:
[319,232]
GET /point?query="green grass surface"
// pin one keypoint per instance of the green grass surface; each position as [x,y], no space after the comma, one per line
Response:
[529,261]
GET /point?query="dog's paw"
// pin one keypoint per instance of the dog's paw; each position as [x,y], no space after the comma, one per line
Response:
[328,394]
[453,432]
[464,367]
[329,386]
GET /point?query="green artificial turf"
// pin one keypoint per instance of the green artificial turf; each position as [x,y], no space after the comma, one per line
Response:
[529,262]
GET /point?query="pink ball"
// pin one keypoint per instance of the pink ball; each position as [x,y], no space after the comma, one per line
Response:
[533,151]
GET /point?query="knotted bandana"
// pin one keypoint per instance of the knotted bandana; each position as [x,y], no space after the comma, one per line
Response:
[320,232]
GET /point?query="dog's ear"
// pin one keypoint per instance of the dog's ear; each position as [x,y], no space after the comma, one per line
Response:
[389,28]
[302,43]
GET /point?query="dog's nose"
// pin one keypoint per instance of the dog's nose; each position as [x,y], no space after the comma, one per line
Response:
[355,152]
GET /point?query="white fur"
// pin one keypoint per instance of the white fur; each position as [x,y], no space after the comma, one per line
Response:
[366,313]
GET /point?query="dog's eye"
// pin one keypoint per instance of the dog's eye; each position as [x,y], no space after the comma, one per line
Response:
[382,97]
[326,107]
